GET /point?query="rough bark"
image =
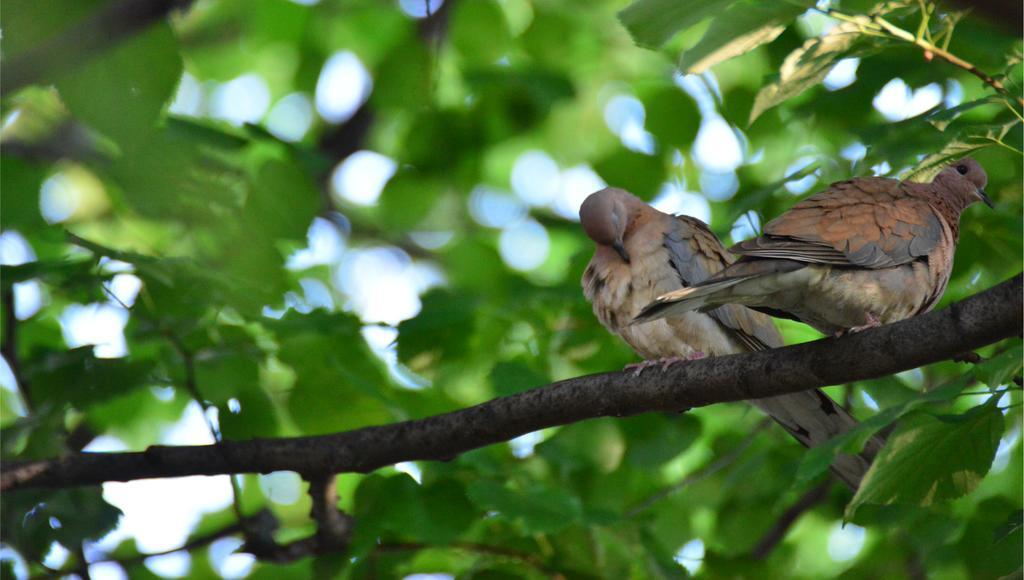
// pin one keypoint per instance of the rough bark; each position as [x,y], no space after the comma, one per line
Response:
[977,321]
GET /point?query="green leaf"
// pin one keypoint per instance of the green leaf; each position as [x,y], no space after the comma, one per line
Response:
[653,22]
[77,377]
[538,509]
[965,144]
[818,458]
[33,520]
[478,31]
[407,199]
[123,92]
[441,331]
[220,377]
[942,118]
[931,459]
[403,79]
[1002,368]
[56,272]
[742,27]
[597,444]
[671,116]
[510,377]
[636,172]
[653,439]
[436,513]
[806,67]
[339,383]
[1014,522]
[20,181]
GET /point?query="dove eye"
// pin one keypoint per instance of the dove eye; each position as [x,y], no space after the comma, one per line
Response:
[961,169]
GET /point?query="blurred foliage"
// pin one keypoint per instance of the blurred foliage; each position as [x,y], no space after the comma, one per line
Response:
[144,174]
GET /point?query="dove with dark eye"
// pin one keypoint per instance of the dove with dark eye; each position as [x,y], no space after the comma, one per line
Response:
[864,252]
[642,253]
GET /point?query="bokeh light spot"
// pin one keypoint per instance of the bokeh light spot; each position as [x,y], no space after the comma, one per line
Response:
[343,86]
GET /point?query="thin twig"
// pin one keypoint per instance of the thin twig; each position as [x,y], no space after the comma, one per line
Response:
[111,24]
[778,532]
[333,527]
[474,547]
[192,387]
[876,23]
[263,518]
[83,569]
[712,468]
[9,349]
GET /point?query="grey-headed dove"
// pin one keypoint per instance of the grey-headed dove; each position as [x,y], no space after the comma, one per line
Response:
[643,253]
[864,252]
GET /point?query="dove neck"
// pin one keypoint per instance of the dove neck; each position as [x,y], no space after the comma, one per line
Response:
[949,208]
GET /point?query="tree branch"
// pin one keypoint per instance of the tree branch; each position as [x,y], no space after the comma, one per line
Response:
[333,527]
[262,519]
[713,468]
[778,532]
[80,42]
[9,349]
[879,25]
[979,320]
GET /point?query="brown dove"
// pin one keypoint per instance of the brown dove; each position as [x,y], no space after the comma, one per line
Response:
[643,253]
[864,252]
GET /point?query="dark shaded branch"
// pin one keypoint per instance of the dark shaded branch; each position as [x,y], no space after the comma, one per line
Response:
[474,547]
[333,527]
[712,468]
[778,532]
[188,360]
[262,519]
[81,436]
[979,320]
[74,46]
[69,140]
[83,569]
[1007,15]
[9,348]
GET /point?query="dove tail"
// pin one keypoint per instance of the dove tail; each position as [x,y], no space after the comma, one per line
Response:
[725,287]
[686,299]
[813,418]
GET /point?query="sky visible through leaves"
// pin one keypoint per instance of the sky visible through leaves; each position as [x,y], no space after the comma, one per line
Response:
[445,246]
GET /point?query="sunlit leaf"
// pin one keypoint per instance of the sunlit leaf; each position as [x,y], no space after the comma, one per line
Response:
[652,22]
[139,75]
[742,27]
[807,66]
[932,459]
[966,144]
[818,458]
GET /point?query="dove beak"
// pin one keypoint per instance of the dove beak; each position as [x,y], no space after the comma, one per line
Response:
[621,250]
[984,197]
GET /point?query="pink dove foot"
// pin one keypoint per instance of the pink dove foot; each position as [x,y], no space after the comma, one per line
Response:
[663,363]
[873,322]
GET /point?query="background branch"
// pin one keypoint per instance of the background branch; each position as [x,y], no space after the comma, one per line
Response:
[80,42]
[712,468]
[778,531]
[333,527]
[982,319]
[9,348]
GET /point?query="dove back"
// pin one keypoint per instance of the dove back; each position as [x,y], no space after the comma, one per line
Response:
[666,253]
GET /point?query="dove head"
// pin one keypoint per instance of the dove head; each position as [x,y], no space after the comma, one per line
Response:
[964,182]
[607,215]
